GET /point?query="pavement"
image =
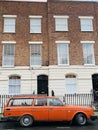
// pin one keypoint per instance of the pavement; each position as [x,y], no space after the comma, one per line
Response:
[96,113]
[1,116]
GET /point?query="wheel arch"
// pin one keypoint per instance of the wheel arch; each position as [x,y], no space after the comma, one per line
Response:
[79,113]
[26,115]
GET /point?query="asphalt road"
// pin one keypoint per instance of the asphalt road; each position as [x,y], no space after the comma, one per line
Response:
[49,126]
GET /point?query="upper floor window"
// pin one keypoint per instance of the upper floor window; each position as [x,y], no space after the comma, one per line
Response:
[9,23]
[35,24]
[35,53]
[8,53]
[86,23]
[14,84]
[71,84]
[88,52]
[61,23]
[63,52]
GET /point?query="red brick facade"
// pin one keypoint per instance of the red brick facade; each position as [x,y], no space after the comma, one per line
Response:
[22,35]
[48,36]
[73,10]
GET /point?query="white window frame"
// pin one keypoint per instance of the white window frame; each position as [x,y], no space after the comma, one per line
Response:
[85,52]
[14,84]
[86,23]
[63,26]
[9,23]
[71,85]
[67,52]
[10,58]
[40,53]
[35,27]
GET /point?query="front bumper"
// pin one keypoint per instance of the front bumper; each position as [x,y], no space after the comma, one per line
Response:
[93,117]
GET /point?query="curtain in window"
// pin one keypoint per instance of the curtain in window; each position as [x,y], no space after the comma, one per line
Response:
[8,55]
[62,53]
[36,54]
[71,84]
[88,53]
[14,85]
[86,25]
[9,25]
[35,25]
[61,24]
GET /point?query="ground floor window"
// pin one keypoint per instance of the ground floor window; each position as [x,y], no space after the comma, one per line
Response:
[14,85]
[71,84]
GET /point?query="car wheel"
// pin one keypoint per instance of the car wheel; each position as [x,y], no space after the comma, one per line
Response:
[26,120]
[80,119]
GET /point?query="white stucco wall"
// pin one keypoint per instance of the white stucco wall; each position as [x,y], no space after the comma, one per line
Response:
[56,77]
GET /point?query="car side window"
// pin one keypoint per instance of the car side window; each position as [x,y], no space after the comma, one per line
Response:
[55,102]
[20,102]
[40,102]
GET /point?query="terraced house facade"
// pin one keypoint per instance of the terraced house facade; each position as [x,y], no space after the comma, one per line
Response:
[48,47]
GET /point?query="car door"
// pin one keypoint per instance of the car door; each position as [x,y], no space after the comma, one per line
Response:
[40,109]
[57,111]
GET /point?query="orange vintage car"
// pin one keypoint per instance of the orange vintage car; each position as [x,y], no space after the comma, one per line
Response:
[27,109]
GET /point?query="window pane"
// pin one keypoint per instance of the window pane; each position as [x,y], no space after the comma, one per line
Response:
[20,102]
[8,55]
[55,102]
[35,25]
[9,25]
[71,85]
[88,53]
[61,24]
[35,55]
[14,85]
[62,53]
[86,25]
[40,102]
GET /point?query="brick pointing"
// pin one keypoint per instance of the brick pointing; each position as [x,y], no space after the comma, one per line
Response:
[48,35]
[22,35]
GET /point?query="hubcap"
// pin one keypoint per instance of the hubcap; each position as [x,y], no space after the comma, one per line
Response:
[81,119]
[26,120]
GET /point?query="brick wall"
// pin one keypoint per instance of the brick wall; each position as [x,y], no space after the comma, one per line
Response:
[22,35]
[74,35]
[48,35]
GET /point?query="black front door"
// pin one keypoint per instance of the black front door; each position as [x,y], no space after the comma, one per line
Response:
[42,84]
[95,86]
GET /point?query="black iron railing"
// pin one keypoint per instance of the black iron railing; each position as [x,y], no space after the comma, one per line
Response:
[72,99]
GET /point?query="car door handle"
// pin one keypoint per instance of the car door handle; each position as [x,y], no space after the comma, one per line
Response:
[34,109]
[51,108]
[8,109]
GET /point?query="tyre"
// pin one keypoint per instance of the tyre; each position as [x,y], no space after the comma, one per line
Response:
[80,119]
[26,120]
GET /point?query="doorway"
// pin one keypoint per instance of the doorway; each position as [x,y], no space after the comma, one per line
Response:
[95,86]
[42,84]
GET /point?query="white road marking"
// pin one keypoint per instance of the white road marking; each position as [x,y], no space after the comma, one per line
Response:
[9,129]
[62,127]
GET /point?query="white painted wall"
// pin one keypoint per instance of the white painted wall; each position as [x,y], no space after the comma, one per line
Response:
[56,78]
